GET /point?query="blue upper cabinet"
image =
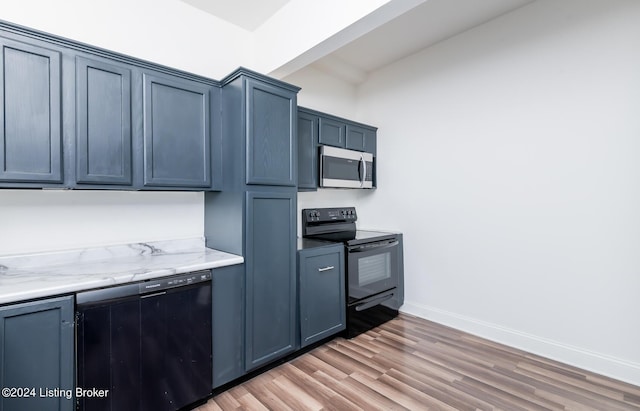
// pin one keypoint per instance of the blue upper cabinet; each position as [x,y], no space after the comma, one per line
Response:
[103,116]
[338,132]
[316,128]
[79,117]
[271,134]
[361,138]
[332,132]
[177,132]
[30,113]
[307,151]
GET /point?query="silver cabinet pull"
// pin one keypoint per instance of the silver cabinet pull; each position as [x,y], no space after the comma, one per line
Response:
[326,268]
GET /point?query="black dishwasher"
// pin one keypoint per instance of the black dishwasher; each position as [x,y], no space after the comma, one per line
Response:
[148,344]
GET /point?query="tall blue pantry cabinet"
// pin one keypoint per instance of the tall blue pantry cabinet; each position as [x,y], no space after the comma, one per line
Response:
[254,215]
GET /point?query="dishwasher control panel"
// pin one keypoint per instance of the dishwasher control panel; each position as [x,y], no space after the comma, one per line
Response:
[145,287]
[175,281]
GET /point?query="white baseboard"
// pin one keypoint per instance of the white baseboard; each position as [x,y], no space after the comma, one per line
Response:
[578,357]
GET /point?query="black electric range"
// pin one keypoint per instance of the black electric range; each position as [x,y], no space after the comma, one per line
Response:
[375,283]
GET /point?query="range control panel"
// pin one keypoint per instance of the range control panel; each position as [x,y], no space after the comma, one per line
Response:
[328,215]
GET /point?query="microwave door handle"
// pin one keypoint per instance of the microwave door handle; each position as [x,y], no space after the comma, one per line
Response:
[361,249]
[364,170]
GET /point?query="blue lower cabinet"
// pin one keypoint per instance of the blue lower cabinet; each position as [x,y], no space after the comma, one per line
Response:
[228,324]
[36,355]
[270,262]
[321,280]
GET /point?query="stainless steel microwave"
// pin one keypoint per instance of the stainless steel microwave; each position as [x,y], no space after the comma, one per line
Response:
[342,168]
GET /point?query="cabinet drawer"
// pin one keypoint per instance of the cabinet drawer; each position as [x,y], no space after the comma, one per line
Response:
[323,264]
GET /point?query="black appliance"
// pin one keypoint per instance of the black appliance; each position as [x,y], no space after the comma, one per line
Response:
[342,168]
[373,261]
[148,343]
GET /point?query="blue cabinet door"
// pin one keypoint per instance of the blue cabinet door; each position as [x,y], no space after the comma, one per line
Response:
[270,276]
[228,324]
[30,113]
[103,118]
[361,138]
[36,351]
[332,132]
[271,143]
[321,279]
[370,141]
[177,132]
[307,151]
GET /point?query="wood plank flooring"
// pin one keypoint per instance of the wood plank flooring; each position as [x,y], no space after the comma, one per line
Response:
[413,364]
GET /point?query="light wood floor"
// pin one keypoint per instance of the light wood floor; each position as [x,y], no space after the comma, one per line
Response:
[413,364]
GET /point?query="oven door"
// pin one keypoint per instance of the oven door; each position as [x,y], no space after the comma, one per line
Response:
[345,168]
[372,268]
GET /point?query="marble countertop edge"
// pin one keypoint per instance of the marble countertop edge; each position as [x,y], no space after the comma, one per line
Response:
[29,277]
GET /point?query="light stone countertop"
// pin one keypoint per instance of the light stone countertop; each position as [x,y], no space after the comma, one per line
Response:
[30,276]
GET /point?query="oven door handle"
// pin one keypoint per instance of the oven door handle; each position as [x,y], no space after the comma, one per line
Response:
[362,249]
[373,303]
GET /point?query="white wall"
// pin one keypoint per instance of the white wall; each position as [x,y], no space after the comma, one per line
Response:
[168,32]
[509,154]
[323,92]
[48,220]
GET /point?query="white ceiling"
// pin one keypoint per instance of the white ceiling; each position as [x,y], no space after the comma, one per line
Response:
[421,27]
[248,14]
[424,25]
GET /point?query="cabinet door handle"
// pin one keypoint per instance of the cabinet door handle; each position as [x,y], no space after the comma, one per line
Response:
[330,267]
